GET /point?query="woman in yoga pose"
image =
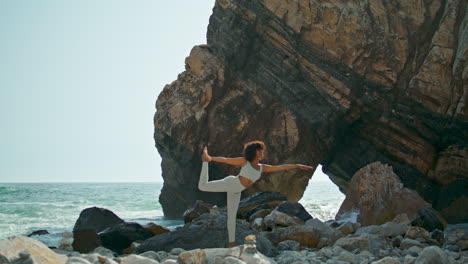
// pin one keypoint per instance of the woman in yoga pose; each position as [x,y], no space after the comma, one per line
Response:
[234,185]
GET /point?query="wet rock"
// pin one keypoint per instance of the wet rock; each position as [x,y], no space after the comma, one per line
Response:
[207,231]
[198,209]
[39,233]
[383,199]
[429,219]
[294,209]
[10,248]
[96,218]
[121,236]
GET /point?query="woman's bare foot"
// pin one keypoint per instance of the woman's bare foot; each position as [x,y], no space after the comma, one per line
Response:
[205,156]
[232,244]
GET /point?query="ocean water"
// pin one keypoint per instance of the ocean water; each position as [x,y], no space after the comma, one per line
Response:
[25,207]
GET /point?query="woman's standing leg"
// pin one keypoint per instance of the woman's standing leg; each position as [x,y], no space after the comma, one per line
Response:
[233,199]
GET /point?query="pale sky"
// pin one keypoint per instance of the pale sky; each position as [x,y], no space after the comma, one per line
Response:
[79,81]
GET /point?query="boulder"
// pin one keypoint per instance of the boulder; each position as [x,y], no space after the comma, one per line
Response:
[38,233]
[433,255]
[96,218]
[348,227]
[288,245]
[369,242]
[276,218]
[11,248]
[382,198]
[294,209]
[259,200]
[121,236]
[85,240]
[313,234]
[389,229]
[206,231]
[418,233]
[429,219]
[198,209]
[156,229]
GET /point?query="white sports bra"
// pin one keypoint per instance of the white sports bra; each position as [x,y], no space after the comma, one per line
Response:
[250,172]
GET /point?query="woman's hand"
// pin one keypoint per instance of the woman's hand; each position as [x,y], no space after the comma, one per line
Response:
[304,167]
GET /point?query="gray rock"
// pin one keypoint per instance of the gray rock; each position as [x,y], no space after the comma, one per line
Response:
[105,252]
[390,229]
[369,242]
[152,255]
[277,218]
[433,255]
[24,258]
[136,259]
[409,259]
[429,219]
[78,260]
[96,218]
[408,242]
[198,209]
[176,251]
[288,245]
[207,231]
[121,236]
[387,260]
[232,260]
[288,256]
[294,209]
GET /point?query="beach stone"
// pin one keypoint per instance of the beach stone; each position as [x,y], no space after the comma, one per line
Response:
[152,255]
[257,224]
[433,255]
[369,242]
[277,218]
[192,257]
[136,259]
[40,253]
[438,235]
[406,243]
[176,251]
[289,256]
[288,245]
[259,214]
[77,260]
[85,240]
[418,233]
[242,253]
[160,255]
[260,200]
[294,209]
[232,260]
[121,236]
[429,219]
[402,219]
[414,251]
[347,257]
[97,218]
[207,231]
[387,260]
[389,229]
[409,259]
[457,235]
[39,233]
[105,252]
[348,228]
[198,209]
[66,243]
[169,261]
[396,241]
[156,229]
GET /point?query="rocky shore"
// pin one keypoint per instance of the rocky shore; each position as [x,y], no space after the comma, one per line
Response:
[269,230]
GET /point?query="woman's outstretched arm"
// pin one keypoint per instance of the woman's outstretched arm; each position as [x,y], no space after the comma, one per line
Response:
[240,161]
[270,168]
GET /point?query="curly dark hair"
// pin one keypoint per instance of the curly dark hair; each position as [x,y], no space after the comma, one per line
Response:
[250,149]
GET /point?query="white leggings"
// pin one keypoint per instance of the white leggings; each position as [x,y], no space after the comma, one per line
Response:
[233,187]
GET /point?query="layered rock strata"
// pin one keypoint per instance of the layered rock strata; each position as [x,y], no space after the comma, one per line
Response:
[341,83]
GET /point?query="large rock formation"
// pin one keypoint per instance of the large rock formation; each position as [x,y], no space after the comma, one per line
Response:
[341,83]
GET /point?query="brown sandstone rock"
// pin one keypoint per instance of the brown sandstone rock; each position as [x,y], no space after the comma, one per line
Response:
[379,196]
[339,83]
